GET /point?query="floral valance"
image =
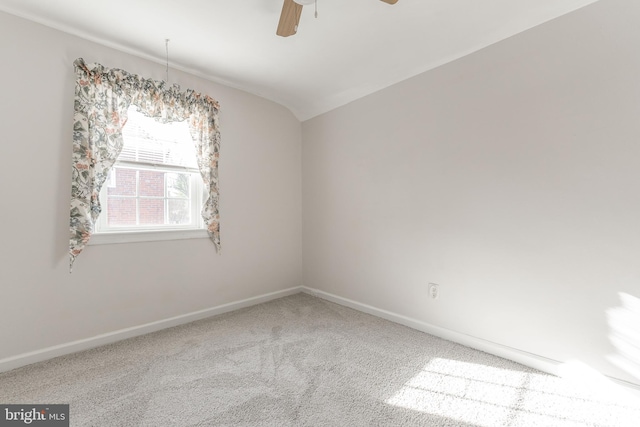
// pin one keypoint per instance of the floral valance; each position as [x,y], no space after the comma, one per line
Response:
[102,98]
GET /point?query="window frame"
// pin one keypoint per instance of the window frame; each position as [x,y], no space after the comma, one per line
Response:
[105,234]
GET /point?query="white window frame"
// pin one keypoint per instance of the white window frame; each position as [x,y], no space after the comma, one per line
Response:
[104,234]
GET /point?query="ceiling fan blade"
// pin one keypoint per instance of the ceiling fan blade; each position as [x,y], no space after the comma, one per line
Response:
[390,1]
[289,18]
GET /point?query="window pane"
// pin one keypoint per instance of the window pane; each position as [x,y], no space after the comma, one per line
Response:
[150,141]
[121,211]
[151,183]
[125,182]
[178,185]
[179,212]
[151,211]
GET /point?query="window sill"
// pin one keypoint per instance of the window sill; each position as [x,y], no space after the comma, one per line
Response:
[146,236]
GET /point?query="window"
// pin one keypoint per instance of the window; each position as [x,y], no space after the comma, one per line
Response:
[155,184]
[101,104]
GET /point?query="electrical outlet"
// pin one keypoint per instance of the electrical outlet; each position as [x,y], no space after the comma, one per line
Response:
[434,290]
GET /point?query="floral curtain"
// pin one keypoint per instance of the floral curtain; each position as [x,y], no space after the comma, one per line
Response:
[102,97]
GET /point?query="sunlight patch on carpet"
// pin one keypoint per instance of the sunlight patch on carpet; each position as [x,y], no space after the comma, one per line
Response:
[490,396]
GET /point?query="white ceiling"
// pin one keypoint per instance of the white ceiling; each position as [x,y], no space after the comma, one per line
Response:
[353,48]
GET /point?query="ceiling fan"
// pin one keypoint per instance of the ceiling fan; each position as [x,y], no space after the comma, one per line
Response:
[290,16]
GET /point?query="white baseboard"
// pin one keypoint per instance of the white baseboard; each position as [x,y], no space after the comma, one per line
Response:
[541,363]
[20,360]
[535,361]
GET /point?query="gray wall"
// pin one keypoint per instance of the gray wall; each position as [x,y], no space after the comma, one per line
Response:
[120,286]
[510,177]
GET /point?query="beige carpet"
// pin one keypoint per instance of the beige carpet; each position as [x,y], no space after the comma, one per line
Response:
[303,361]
